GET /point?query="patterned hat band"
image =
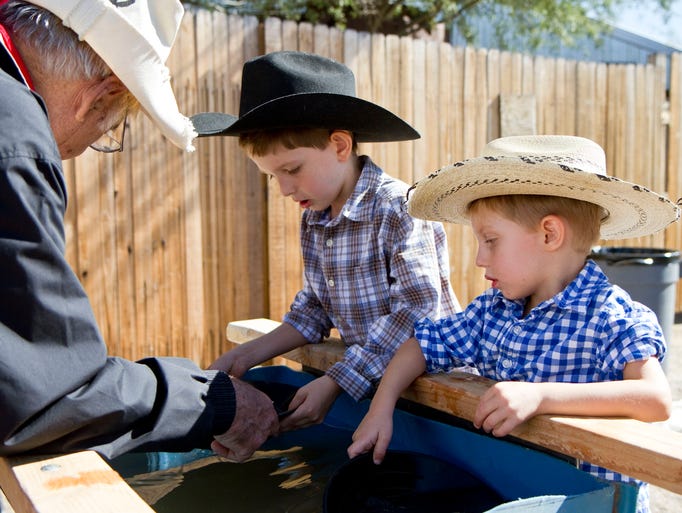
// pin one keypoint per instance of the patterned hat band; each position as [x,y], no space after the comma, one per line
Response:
[571,167]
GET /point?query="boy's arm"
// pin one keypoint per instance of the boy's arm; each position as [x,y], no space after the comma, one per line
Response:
[418,289]
[376,428]
[644,394]
[240,359]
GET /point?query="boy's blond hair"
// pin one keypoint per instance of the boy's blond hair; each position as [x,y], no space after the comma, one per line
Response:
[263,142]
[584,218]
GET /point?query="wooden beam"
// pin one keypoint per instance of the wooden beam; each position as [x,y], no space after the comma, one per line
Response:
[73,483]
[649,452]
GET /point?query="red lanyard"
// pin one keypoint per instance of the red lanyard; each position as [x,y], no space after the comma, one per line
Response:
[6,41]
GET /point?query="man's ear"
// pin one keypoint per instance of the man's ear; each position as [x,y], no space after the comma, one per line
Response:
[553,229]
[95,94]
[343,144]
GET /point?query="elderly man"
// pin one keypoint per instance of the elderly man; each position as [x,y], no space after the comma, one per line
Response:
[70,72]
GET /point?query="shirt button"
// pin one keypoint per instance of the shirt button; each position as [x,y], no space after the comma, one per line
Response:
[330,283]
[330,243]
[506,363]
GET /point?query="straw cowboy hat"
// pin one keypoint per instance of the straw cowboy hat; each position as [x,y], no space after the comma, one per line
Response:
[147,29]
[551,165]
[297,89]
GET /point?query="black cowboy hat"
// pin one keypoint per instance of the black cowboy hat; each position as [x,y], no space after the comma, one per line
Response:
[297,89]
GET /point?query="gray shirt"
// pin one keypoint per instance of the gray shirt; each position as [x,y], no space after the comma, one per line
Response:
[59,390]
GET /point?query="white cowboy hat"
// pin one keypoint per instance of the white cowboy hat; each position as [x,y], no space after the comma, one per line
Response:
[551,165]
[134,38]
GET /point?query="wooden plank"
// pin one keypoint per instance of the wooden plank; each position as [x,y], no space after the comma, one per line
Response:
[649,452]
[406,111]
[585,114]
[321,40]
[419,114]
[528,74]
[546,89]
[276,207]
[517,114]
[74,483]
[336,49]
[493,94]
[110,321]
[394,91]
[207,75]
[378,91]
[569,99]
[674,162]
[193,254]
[446,118]
[306,39]
[433,139]
[246,192]
[658,140]
[125,254]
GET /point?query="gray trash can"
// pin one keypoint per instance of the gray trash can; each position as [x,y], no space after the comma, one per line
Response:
[649,275]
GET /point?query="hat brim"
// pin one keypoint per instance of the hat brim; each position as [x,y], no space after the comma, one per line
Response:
[632,210]
[368,121]
[141,67]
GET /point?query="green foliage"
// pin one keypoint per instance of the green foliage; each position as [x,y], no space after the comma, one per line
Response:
[516,22]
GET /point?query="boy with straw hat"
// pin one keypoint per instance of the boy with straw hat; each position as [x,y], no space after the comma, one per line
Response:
[554,333]
[370,268]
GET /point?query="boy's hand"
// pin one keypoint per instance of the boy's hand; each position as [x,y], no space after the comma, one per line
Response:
[311,404]
[375,431]
[232,362]
[505,405]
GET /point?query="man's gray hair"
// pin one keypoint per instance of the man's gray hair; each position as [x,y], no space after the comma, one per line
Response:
[65,55]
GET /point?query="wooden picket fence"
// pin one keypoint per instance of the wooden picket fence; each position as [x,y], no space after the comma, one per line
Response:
[172,246]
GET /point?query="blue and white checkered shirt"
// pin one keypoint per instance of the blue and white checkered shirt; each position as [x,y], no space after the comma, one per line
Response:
[371,272]
[586,333]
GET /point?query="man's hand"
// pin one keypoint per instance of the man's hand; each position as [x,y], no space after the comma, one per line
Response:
[254,421]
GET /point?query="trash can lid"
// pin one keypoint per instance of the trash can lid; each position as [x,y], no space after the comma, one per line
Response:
[642,256]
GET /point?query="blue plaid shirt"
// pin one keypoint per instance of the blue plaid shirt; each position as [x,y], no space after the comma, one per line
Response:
[586,333]
[371,272]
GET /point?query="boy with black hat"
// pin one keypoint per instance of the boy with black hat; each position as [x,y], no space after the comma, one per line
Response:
[558,337]
[371,269]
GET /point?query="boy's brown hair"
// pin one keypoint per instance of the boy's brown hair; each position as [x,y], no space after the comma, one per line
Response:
[262,142]
[583,217]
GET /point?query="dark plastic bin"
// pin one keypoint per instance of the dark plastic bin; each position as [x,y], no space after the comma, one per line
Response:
[649,275]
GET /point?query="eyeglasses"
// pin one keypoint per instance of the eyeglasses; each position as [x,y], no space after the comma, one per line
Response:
[111,141]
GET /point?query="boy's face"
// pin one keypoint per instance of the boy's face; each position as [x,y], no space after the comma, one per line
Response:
[314,178]
[512,255]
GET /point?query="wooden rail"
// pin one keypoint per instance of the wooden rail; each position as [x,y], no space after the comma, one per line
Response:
[650,452]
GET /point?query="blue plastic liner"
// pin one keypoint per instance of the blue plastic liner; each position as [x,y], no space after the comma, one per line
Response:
[526,479]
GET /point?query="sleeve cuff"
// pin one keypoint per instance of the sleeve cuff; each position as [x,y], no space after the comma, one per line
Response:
[221,396]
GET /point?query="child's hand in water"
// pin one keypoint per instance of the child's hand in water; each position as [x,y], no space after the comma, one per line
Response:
[375,431]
